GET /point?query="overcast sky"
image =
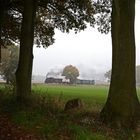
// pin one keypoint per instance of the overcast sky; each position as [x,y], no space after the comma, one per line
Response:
[88,50]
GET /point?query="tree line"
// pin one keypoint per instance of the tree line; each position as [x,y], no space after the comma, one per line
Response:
[107,75]
[31,22]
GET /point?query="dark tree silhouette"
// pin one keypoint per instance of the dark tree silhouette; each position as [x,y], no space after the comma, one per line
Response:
[3,5]
[64,15]
[24,70]
[122,106]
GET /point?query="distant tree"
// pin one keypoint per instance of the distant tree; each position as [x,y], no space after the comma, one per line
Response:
[9,63]
[138,74]
[71,73]
[108,75]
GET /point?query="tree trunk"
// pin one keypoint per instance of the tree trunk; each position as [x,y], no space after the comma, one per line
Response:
[1,19]
[7,81]
[24,71]
[2,11]
[122,107]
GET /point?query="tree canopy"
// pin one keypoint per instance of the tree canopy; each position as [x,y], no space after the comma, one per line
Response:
[64,15]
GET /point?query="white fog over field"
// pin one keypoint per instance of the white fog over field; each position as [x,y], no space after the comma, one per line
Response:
[89,51]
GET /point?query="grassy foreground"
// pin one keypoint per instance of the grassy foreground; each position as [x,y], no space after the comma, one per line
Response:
[44,113]
[92,96]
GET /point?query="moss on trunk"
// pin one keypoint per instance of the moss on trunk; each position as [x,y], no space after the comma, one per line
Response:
[122,106]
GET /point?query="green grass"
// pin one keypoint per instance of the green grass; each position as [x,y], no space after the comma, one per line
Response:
[89,94]
[74,91]
[93,96]
[47,119]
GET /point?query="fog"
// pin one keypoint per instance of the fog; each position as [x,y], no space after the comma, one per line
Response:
[89,50]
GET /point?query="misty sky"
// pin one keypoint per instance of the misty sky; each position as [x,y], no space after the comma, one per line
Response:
[88,50]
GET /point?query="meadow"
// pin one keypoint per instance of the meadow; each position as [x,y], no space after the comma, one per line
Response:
[93,95]
[45,114]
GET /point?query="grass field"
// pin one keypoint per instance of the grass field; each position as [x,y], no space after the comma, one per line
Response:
[48,119]
[94,96]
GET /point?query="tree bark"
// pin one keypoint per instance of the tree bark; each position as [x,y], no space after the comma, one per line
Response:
[1,19]
[122,107]
[2,11]
[24,71]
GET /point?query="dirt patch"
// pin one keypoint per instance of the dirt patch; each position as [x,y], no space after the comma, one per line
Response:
[11,131]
